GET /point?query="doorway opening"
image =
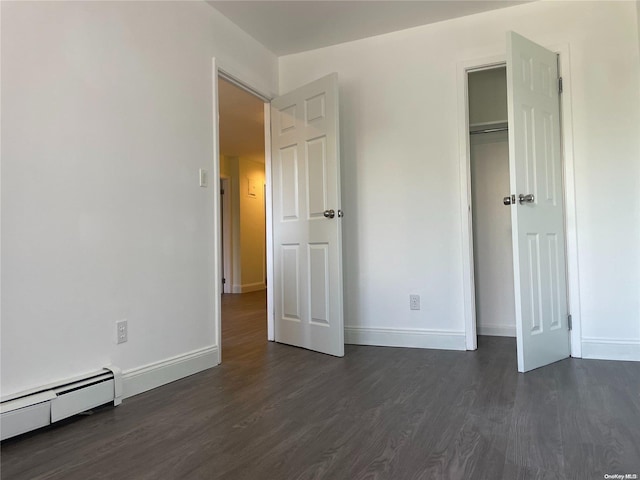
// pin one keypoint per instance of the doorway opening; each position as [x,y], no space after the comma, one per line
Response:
[491,220]
[243,206]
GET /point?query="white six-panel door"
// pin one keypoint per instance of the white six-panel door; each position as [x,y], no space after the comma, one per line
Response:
[307,218]
[535,164]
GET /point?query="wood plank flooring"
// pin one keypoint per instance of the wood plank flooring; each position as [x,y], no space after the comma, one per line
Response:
[275,412]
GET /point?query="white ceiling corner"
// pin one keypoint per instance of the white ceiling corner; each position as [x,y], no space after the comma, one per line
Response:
[287,27]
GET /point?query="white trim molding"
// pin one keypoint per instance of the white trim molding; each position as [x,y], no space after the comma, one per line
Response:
[214,198]
[153,375]
[611,349]
[494,330]
[405,337]
[468,274]
[271,336]
[571,215]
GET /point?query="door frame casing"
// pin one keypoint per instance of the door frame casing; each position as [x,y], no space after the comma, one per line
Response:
[216,71]
[226,229]
[268,206]
[214,197]
[568,183]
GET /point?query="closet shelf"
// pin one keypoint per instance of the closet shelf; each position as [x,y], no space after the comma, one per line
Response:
[487,127]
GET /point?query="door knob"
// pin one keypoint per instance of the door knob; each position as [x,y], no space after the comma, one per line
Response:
[529,198]
[507,200]
[329,213]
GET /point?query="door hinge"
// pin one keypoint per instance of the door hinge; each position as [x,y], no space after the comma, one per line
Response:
[559,84]
[224,280]
[569,322]
[222,191]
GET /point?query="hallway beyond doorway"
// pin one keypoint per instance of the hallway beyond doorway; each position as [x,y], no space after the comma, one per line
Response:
[244,323]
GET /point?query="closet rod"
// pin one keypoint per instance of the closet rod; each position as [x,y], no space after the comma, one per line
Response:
[489,130]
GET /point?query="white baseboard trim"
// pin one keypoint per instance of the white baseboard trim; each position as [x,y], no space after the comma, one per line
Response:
[495,330]
[141,379]
[248,287]
[412,338]
[611,349]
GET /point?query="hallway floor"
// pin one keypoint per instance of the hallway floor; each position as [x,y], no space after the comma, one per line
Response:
[272,412]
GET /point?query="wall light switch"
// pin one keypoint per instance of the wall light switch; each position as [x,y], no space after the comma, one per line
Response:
[204,178]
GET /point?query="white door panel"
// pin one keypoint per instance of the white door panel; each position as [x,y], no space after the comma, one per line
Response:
[307,245]
[535,164]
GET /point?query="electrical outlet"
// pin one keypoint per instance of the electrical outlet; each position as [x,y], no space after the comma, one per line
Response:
[414,302]
[204,177]
[122,331]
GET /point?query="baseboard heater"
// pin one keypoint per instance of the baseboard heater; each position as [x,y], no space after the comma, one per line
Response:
[40,407]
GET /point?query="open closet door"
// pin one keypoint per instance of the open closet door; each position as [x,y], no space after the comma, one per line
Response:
[307,233]
[535,164]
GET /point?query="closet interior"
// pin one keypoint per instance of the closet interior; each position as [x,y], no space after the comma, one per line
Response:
[491,219]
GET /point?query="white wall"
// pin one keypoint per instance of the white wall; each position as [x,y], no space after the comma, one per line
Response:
[401,184]
[252,226]
[106,119]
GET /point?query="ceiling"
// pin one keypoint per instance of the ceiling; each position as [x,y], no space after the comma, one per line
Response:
[286,27]
[241,122]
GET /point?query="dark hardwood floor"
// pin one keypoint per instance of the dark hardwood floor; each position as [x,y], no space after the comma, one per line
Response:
[275,412]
